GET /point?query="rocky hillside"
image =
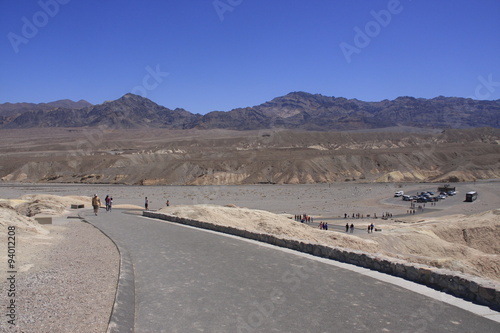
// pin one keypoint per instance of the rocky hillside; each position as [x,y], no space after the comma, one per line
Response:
[130,111]
[297,110]
[9,112]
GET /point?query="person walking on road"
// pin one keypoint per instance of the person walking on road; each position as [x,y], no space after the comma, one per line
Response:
[352,228]
[106,201]
[146,203]
[96,203]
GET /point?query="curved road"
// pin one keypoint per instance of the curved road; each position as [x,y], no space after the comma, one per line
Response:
[192,280]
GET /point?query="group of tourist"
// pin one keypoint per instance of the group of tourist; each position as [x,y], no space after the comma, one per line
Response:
[356,216]
[96,203]
[109,203]
[362,216]
[304,218]
[146,203]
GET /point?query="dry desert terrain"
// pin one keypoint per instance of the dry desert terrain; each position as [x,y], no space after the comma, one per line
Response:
[256,180]
[223,157]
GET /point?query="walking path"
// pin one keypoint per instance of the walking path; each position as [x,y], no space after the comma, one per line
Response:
[182,279]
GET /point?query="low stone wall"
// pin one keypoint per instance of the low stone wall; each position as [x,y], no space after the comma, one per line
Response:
[472,288]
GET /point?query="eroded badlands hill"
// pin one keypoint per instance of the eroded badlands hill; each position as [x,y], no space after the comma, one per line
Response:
[197,157]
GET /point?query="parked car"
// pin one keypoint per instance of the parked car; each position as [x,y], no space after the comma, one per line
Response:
[399,194]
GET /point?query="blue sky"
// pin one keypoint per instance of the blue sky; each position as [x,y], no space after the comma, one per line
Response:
[206,55]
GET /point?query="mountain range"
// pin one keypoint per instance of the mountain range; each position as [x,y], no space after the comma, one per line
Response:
[296,110]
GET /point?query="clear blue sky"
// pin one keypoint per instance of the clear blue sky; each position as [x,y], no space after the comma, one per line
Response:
[246,52]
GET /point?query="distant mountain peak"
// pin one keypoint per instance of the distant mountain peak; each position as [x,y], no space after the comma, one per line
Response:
[130,95]
[69,104]
[133,98]
[299,94]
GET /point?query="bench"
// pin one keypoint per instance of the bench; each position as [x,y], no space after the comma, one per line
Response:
[77,206]
[44,219]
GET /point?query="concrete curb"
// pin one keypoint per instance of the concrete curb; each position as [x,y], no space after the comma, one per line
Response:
[122,318]
[123,315]
[475,289]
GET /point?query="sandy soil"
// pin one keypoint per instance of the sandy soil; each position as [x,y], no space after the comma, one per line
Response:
[453,234]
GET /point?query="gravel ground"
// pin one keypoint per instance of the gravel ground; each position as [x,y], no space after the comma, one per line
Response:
[319,200]
[66,281]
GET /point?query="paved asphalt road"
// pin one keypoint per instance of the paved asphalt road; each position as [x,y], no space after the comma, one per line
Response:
[190,280]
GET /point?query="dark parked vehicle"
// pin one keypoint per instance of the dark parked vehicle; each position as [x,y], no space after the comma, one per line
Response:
[424,198]
[470,196]
[446,188]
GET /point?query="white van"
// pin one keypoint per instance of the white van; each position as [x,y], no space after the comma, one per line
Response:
[399,193]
